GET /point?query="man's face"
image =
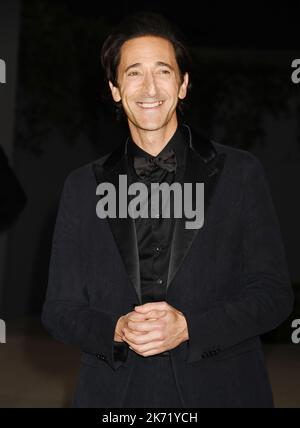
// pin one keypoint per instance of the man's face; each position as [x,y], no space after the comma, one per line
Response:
[149,82]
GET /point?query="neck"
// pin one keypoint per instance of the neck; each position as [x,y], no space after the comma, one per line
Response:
[153,142]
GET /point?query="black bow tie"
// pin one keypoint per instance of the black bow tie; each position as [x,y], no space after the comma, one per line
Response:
[144,167]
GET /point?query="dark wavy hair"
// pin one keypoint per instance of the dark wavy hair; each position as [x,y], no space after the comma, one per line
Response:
[138,25]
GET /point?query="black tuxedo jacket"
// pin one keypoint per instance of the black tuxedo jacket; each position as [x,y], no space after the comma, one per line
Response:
[229,278]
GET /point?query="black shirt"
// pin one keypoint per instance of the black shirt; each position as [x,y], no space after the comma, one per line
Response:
[154,235]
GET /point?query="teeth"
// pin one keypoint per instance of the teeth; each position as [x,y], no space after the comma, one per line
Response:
[151,105]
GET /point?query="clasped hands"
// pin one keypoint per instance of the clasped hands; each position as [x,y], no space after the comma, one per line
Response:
[152,328]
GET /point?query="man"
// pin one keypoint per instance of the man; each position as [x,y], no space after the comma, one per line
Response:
[166,315]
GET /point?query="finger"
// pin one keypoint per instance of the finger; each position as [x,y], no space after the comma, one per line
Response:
[146,326]
[135,316]
[141,339]
[126,333]
[156,313]
[147,307]
[149,316]
[136,339]
[152,314]
[154,347]
[137,333]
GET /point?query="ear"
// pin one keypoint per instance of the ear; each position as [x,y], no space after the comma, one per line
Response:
[115,92]
[183,87]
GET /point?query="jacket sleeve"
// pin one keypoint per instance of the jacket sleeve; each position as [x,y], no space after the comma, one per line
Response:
[67,314]
[266,297]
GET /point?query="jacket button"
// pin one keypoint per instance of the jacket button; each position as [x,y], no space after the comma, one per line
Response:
[100,357]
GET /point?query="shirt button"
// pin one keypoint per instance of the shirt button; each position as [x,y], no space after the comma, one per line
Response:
[157,249]
[159,281]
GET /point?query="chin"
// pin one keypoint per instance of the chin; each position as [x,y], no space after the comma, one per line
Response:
[149,125]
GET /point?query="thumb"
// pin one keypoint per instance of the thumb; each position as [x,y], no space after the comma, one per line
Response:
[160,306]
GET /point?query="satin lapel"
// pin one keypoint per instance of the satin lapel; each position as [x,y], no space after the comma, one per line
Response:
[203,165]
[123,229]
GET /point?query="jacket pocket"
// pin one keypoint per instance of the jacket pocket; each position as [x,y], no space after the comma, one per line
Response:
[240,348]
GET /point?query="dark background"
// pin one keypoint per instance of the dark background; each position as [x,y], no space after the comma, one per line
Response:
[55,118]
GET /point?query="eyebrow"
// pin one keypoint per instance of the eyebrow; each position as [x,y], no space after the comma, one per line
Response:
[158,63]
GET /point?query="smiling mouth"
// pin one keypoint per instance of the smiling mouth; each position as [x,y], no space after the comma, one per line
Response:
[150,105]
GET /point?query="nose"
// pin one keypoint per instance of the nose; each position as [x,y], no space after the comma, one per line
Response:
[149,85]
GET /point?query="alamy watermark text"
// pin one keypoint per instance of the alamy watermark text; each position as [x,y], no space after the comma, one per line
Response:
[2,71]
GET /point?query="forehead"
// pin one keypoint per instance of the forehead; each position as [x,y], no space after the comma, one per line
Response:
[147,49]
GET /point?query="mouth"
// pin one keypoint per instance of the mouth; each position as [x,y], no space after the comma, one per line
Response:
[148,106]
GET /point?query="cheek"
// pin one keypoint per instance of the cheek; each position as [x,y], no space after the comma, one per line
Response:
[130,95]
[172,89]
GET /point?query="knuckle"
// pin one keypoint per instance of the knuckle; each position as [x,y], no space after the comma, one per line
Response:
[161,324]
[129,337]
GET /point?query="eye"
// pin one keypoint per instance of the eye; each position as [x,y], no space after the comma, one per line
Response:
[165,71]
[133,73]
